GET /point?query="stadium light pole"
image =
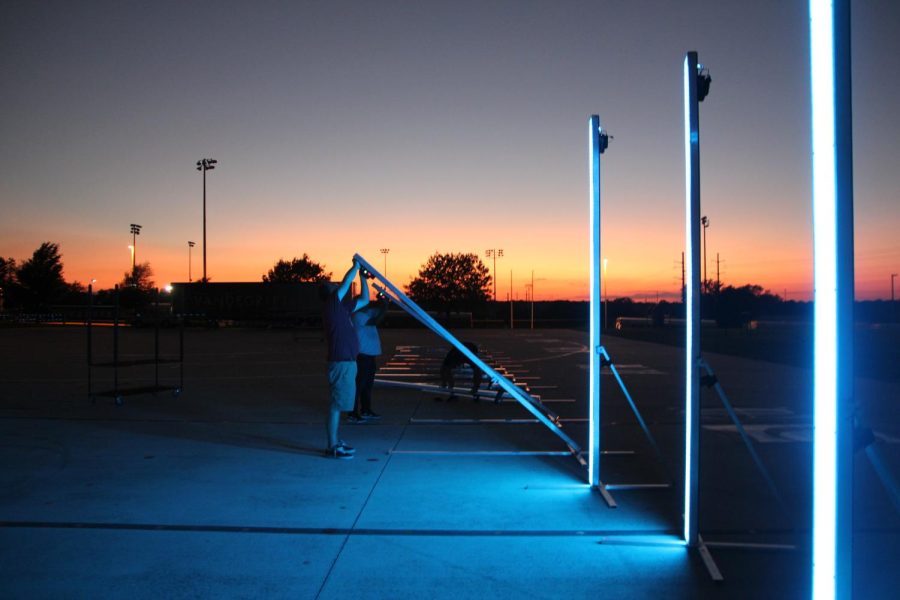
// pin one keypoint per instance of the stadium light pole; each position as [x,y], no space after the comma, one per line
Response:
[833,254]
[494,252]
[190,245]
[205,164]
[135,231]
[385,252]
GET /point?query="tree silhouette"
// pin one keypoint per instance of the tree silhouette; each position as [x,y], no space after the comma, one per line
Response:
[141,277]
[40,277]
[739,305]
[297,270]
[137,286]
[8,284]
[451,281]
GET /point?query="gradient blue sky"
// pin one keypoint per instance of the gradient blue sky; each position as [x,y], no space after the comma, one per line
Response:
[431,126]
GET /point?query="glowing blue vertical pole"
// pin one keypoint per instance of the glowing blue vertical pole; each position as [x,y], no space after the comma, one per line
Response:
[832,156]
[594,149]
[691,299]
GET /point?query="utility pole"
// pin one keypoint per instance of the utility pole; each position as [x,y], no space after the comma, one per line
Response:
[893,304]
[718,280]
[682,278]
[532,297]
[704,220]
[512,322]
[605,297]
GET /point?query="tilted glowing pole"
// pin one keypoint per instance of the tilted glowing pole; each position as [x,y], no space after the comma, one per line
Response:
[543,414]
[832,170]
[691,298]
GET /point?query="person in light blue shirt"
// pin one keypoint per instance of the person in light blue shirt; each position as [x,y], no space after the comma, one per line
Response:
[365,323]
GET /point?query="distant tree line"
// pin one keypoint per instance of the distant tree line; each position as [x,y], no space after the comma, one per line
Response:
[37,282]
[446,282]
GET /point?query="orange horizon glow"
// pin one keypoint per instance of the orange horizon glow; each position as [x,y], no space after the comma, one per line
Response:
[636,269]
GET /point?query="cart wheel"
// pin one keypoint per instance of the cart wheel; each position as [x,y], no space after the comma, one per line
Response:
[118,400]
[176,392]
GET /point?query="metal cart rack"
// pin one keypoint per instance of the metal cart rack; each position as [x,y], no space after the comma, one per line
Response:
[116,363]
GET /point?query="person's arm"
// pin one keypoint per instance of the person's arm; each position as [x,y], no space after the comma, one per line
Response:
[347,280]
[363,298]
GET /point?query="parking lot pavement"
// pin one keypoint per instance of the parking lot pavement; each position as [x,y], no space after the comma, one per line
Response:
[222,491]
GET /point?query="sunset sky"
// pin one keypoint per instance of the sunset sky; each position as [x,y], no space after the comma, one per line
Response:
[420,126]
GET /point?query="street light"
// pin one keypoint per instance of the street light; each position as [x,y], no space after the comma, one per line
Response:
[495,252]
[705,222]
[135,231]
[190,245]
[385,251]
[205,164]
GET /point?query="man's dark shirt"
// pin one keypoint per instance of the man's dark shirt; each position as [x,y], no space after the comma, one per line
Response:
[342,342]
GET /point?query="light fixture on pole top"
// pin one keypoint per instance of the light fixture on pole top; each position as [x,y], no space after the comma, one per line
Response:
[204,165]
[385,252]
[494,253]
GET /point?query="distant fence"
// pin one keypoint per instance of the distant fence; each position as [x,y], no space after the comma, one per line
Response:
[289,303]
[642,322]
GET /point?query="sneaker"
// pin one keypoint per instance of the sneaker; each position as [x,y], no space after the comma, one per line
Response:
[370,416]
[347,448]
[354,418]
[340,451]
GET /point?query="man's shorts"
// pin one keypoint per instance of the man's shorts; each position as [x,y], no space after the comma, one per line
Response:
[342,380]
